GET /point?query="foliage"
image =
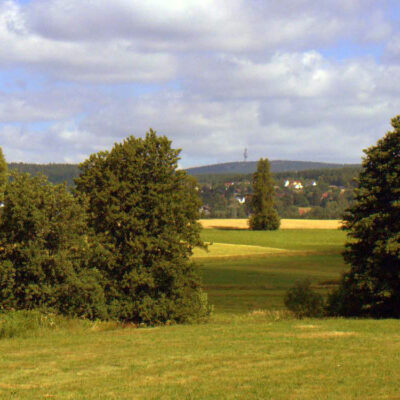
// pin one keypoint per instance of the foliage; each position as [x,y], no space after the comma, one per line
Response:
[372,286]
[44,253]
[263,216]
[144,213]
[3,175]
[303,301]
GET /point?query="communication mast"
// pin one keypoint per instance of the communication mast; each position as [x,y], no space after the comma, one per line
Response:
[245,155]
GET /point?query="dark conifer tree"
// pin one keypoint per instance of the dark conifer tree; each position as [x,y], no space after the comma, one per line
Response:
[144,213]
[372,286]
[264,216]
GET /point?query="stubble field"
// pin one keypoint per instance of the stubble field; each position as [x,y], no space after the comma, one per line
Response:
[242,223]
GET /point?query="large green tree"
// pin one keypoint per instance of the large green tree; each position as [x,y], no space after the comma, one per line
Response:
[372,286]
[45,255]
[3,175]
[264,216]
[144,212]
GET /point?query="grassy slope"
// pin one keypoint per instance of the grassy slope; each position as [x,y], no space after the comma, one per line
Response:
[241,285]
[237,355]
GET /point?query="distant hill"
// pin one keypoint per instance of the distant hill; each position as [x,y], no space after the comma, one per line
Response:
[249,167]
[59,173]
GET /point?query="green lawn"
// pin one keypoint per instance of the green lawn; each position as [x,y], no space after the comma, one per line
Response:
[249,350]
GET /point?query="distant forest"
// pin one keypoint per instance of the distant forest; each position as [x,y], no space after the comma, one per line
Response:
[324,192]
[248,167]
[56,173]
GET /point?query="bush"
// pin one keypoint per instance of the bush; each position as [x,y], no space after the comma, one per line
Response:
[44,251]
[303,301]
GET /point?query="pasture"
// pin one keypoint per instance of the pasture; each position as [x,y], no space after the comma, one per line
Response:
[251,349]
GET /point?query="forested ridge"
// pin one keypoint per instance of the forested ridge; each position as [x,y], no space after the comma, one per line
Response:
[248,167]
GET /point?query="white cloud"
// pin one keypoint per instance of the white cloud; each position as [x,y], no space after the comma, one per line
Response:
[114,61]
[215,76]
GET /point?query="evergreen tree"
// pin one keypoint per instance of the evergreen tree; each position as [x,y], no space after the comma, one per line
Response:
[44,251]
[144,213]
[372,286]
[3,175]
[264,216]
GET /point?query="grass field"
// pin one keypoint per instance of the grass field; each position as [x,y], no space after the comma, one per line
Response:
[259,281]
[251,349]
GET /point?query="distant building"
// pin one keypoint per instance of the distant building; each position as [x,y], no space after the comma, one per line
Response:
[240,199]
[293,184]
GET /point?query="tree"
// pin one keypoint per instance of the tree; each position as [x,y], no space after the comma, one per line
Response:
[264,216]
[144,212]
[372,286]
[3,175]
[44,251]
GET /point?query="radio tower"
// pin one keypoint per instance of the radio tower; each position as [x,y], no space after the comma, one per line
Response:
[245,155]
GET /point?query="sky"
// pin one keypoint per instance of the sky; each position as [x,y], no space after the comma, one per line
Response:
[287,79]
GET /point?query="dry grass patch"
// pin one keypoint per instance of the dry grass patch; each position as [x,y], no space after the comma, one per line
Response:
[285,224]
[322,335]
[234,250]
[307,326]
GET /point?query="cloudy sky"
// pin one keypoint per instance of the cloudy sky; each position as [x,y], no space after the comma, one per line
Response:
[287,79]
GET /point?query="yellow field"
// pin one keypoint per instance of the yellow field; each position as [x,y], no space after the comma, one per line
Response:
[234,250]
[285,223]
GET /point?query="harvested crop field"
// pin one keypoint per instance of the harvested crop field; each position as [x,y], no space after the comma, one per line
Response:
[285,223]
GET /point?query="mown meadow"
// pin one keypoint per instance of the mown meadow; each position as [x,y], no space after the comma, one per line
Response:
[251,349]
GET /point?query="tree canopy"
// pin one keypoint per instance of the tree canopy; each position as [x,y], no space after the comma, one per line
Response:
[44,251]
[372,286]
[3,175]
[264,216]
[144,212]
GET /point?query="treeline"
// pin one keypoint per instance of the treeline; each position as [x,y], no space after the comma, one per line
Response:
[56,173]
[332,176]
[249,167]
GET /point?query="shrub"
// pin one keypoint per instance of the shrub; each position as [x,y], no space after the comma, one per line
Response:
[44,251]
[303,301]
